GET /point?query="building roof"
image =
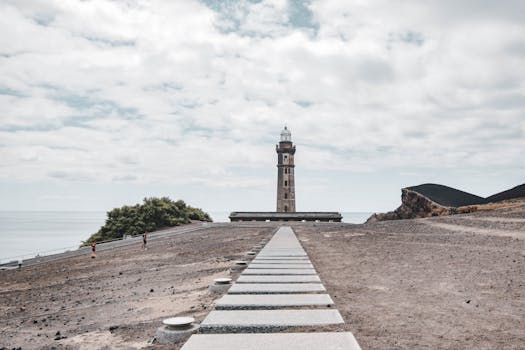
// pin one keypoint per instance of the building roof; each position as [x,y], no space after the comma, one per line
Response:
[286,135]
[285,215]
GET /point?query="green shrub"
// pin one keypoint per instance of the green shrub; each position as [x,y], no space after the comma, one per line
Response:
[153,214]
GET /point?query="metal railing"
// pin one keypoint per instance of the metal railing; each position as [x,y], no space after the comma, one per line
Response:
[13,260]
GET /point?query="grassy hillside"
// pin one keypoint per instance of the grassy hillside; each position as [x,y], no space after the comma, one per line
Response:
[516,192]
[447,196]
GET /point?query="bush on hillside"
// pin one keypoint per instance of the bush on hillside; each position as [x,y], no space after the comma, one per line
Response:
[153,214]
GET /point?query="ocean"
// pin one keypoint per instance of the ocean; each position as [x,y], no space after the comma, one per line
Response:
[25,234]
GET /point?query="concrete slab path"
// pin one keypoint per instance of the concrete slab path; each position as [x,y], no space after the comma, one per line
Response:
[278,279]
[283,254]
[275,341]
[268,288]
[271,301]
[281,261]
[273,258]
[280,266]
[250,271]
[266,320]
[279,289]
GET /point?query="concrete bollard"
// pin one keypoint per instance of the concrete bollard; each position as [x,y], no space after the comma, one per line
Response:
[175,329]
[239,265]
[250,255]
[220,285]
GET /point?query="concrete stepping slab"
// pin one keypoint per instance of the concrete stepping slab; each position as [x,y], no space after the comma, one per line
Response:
[281,262]
[283,257]
[280,266]
[281,253]
[271,301]
[278,279]
[269,288]
[273,341]
[273,258]
[250,271]
[232,321]
[283,246]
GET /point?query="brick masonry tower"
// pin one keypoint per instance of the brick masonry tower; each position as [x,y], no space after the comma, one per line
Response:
[285,173]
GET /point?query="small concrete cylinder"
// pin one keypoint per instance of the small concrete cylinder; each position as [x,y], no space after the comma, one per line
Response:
[175,329]
[250,255]
[239,265]
[220,285]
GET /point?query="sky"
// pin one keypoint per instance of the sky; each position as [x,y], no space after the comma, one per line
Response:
[103,103]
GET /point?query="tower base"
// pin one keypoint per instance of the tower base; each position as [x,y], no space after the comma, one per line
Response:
[285,216]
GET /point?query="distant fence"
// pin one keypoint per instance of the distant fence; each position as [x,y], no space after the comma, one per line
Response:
[15,259]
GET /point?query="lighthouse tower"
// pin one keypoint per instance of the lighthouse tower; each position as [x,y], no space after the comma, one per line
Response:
[286,192]
[285,173]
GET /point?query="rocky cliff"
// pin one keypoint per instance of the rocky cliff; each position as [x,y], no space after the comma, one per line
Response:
[437,200]
[413,205]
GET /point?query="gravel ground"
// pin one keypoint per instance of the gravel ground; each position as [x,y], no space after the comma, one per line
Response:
[117,300]
[412,285]
[440,283]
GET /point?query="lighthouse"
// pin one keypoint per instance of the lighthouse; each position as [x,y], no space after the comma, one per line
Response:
[286,192]
[285,173]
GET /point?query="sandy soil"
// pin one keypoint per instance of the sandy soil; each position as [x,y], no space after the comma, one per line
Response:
[117,300]
[428,283]
[441,283]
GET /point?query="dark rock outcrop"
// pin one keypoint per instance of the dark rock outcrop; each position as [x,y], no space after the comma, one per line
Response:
[413,205]
[437,200]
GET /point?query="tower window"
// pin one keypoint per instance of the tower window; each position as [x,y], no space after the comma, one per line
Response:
[285,183]
[286,196]
[286,170]
[285,208]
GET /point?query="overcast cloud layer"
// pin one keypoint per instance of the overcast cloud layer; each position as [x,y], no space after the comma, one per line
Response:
[105,102]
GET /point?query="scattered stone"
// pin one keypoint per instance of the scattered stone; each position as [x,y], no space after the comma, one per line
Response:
[59,336]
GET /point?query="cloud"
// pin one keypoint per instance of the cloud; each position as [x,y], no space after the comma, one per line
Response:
[194,91]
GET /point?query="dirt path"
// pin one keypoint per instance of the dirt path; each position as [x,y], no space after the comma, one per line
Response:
[479,230]
[493,219]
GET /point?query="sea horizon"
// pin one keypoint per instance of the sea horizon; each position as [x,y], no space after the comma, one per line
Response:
[28,233]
